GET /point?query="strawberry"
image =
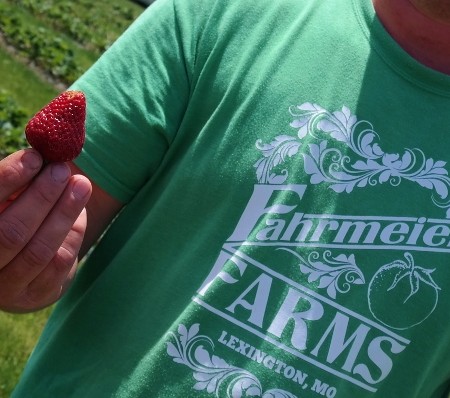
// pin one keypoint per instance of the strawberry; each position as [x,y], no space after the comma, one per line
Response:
[57,131]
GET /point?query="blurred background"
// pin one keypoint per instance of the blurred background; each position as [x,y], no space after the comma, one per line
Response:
[44,46]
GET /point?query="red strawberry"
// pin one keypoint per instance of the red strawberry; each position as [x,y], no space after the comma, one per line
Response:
[57,131]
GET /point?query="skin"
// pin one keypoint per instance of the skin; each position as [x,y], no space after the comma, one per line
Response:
[434,9]
[51,215]
[421,27]
[43,228]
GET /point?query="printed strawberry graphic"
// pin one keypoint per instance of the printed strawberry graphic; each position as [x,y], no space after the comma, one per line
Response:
[401,294]
[57,131]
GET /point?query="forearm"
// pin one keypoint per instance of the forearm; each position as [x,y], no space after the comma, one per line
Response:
[101,210]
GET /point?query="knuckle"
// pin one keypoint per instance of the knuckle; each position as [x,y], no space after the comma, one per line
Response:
[49,286]
[37,253]
[45,196]
[65,259]
[31,301]
[10,175]
[68,214]
[13,234]
[35,295]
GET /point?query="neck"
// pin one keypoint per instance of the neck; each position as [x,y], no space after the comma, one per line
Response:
[421,28]
[439,10]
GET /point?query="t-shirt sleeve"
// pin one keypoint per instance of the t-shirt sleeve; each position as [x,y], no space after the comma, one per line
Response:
[136,95]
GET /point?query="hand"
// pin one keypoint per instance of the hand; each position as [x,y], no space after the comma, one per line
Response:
[42,224]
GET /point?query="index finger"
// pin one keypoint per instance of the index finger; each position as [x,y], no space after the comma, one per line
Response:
[17,170]
[20,221]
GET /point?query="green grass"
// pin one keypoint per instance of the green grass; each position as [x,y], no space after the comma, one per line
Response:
[18,334]
[30,91]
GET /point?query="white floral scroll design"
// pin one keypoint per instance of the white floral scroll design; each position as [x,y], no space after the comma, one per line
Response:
[361,163]
[213,374]
[336,274]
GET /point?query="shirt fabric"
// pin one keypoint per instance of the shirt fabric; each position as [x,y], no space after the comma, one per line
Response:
[287,223]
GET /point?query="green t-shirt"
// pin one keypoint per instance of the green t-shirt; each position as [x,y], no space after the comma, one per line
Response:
[287,227]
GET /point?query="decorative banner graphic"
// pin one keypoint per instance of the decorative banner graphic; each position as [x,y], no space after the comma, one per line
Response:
[370,166]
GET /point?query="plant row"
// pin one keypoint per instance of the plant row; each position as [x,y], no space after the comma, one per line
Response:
[89,23]
[61,38]
[40,45]
[12,121]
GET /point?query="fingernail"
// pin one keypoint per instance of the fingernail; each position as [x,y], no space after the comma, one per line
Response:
[31,160]
[80,190]
[60,172]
